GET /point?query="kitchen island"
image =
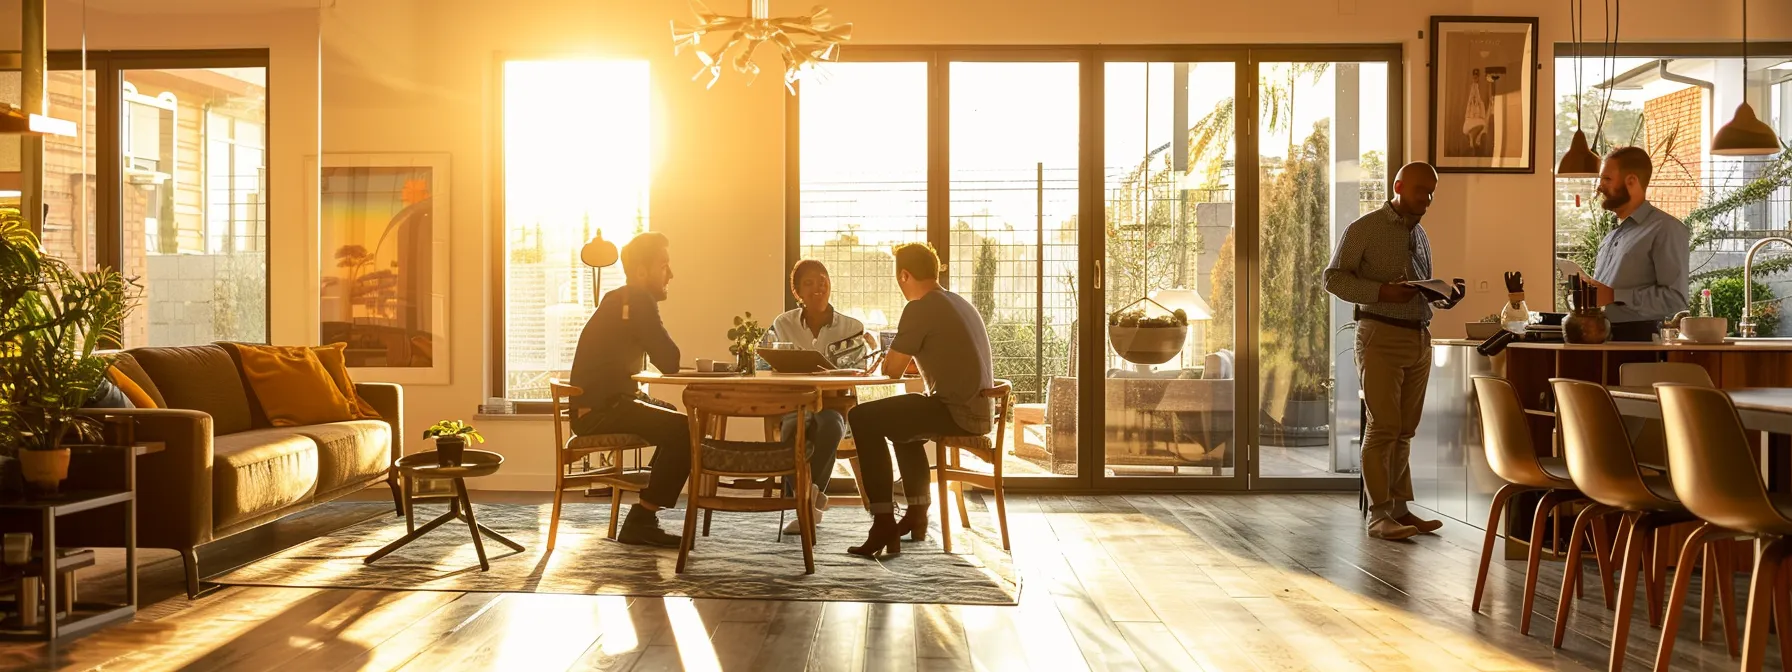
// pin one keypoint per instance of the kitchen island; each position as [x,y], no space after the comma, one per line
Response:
[1449,466]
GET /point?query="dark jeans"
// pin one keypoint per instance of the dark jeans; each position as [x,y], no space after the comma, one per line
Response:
[669,432]
[907,421]
[826,428]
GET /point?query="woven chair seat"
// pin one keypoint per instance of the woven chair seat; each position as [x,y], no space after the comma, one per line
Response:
[982,446]
[748,457]
[592,441]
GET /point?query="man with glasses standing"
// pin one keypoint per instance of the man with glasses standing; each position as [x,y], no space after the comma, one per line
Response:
[1379,252]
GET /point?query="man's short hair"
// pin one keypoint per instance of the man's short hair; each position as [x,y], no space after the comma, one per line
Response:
[1633,161]
[642,250]
[802,269]
[919,260]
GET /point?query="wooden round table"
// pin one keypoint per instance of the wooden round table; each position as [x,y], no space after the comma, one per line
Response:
[473,464]
[812,381]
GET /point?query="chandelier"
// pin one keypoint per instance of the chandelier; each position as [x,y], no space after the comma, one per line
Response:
[803,41]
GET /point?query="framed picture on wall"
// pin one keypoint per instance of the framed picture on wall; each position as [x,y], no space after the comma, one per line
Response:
[383,224]
[1483,94]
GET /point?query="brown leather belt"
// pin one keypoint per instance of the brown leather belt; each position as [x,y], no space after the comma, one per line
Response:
[1415,325]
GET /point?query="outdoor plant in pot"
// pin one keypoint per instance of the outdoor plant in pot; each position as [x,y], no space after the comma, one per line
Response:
[451,440]
[53,319]
[1147,340]
[745,337]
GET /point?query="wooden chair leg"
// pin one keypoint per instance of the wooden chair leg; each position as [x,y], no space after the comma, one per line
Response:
[945,508]
[1633,560]
[1782,611]
[1689,556]
[711,486]
[1001,505]
[554,516]
[1544,507]
[964,512]
[805,521]
[1653,569]
[1760,605]
[615,509]
[1726,597]
[1500,499]
[1602,547]
[1707,590]
[1571,571]
[689,538]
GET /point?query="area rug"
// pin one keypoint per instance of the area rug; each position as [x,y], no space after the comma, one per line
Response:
[743,558]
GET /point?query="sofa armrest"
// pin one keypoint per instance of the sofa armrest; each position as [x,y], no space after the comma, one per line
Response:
[388,399]
[174,485]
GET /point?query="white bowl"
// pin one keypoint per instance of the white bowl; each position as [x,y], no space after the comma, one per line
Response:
[1705,329]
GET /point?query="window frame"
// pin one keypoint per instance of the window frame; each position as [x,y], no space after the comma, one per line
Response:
[108,69]
[497,385]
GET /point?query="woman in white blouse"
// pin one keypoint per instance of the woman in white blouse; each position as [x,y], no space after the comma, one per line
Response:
[839,338]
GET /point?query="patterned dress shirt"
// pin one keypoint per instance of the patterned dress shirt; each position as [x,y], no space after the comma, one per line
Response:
[1378,248]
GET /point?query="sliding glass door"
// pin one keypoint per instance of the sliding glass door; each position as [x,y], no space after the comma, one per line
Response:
[1143,230]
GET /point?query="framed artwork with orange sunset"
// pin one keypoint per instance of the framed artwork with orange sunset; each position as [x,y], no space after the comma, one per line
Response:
[383,223]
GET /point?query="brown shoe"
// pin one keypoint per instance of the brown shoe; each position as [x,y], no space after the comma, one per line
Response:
[1424,526]
[1388,528]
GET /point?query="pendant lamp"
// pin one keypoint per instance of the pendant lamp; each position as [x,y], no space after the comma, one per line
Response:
[1579,161]
[1746,134]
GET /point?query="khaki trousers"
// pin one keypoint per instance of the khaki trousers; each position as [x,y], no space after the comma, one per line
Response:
[1394,365]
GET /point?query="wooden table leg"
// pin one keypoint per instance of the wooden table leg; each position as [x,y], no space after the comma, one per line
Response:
[460,489]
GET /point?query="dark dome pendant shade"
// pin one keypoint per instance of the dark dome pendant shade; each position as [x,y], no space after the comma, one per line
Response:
[1579,161]
[1746,134]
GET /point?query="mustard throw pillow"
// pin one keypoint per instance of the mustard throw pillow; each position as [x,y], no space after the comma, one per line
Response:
[292,386]
[132,391]
[331,357]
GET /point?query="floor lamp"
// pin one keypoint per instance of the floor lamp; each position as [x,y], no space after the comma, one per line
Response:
[597,254]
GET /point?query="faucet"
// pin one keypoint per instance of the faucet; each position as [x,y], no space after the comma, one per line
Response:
[1747,326]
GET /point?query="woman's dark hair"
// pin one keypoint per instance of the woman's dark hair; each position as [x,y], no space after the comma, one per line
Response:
[803,269]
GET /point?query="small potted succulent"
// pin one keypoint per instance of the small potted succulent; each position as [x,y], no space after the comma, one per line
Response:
[1147,340]
[451,440]
[745,337]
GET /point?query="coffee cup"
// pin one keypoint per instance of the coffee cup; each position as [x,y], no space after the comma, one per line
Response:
[706,365]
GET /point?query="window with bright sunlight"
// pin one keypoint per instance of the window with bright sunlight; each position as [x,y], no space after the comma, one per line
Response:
[575,166]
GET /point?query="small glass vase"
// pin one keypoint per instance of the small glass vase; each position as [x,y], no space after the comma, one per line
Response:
[746,362]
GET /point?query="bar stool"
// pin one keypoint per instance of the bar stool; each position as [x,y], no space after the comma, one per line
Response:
[1714,470]
[1510,453]
[1601,463]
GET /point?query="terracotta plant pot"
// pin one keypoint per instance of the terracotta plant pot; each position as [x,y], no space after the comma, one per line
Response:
[45,470]
[449,450]
[1148,345]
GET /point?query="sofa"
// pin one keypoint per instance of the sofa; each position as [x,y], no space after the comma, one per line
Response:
[224,468]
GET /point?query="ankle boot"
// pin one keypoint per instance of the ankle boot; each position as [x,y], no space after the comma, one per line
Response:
[914,522]
[642,528]
[885,537]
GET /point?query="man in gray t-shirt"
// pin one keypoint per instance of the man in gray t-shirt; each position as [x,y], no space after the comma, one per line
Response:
[945,335]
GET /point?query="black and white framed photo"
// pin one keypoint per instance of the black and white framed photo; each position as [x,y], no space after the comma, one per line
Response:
[1483,94]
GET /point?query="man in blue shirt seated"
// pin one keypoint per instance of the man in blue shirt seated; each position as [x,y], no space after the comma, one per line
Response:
[1642,264]
[625,331]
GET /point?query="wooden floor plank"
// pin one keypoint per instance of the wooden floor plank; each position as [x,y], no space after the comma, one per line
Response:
[1112,582]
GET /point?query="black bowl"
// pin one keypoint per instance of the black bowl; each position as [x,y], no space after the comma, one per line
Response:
[1551,319]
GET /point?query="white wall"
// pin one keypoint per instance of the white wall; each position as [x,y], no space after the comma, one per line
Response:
[418,76]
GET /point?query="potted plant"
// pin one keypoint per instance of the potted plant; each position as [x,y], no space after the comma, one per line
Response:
[1147,340]
[52,320]
[745,338]
[451,440]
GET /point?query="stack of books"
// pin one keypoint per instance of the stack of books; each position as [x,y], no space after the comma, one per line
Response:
[497,406]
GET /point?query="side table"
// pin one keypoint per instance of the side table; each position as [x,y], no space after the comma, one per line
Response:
[474,463]
[65,617]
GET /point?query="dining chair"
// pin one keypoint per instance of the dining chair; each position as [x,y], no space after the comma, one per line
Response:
[1602,465]
[954,474]
[1645,433]
[1713,468]
[714,457]
[573,471]
[1506,433]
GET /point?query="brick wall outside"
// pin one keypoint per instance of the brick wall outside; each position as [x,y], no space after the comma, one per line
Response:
[1673,133]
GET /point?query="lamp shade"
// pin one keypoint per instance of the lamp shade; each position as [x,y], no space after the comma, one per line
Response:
[1579,161]
[598,253]
[1184,299]
[1745,135]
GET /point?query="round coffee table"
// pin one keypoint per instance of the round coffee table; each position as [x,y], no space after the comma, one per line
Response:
[474,463]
